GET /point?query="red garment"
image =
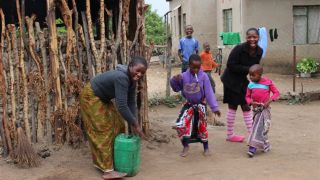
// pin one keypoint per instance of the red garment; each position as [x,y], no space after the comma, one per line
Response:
[184,124]
[260,92]
[207,61]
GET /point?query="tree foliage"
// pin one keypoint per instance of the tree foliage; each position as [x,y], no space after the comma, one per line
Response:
[155,28]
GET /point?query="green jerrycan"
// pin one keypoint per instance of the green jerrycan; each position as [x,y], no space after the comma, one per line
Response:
[127,154]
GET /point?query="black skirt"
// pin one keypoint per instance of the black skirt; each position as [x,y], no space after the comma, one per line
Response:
[234,98]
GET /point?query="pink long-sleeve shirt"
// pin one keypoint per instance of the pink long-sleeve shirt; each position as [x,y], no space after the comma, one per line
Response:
[260,91]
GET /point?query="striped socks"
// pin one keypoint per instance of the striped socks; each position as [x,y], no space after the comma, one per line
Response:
[231,116]
[247,116]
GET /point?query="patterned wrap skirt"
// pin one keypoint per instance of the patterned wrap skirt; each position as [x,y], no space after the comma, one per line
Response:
[192,123]
[102,123]
[258,138]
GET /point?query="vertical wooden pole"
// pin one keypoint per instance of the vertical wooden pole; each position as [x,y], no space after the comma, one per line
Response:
[97,56]
[143,94]
[11,84]
[24,78]
[75,28]
[294,69]
[32,42]
[3,92]
[87,41]
[46,81]
[67,19]
[168,57]
[53,54]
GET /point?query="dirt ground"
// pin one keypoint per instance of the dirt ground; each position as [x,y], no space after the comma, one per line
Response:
[294,137]
[157,82]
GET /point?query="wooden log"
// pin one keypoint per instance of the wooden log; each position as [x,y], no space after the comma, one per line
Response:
[65,99]
[135,40]
[102,36]
[53,53]
[125,24]
[91,37]
[143,96]
[32,42]
[3,92]
[24,78]
[87,41]
[117,41]
[79,50]
[81,35]
[11,84]
[15,62]
[40,90]
[67,19]
[47,122]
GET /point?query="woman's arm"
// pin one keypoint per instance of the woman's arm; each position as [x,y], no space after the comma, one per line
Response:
[132,101]
[121,98]
[234,62]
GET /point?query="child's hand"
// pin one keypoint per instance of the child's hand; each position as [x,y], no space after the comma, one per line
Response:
[217,113]
[177,77]
[254,104]
[267,104]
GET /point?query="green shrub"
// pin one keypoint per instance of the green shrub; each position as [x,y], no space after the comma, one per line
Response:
[308,65]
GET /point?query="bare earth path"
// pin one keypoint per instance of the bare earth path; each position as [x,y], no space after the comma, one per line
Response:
[295,153]
[294,137]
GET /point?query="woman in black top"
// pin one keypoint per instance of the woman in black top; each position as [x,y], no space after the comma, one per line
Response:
[103,117]
[235,81]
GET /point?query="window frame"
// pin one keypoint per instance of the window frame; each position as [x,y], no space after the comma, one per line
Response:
[227,20]
[294,15]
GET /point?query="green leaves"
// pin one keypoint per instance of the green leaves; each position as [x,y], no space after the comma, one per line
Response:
[60,26]
[308,65]
[155,28]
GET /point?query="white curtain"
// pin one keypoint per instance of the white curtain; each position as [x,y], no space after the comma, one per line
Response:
[314,24]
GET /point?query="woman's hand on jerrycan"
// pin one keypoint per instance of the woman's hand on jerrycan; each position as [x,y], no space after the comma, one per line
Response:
[138,131]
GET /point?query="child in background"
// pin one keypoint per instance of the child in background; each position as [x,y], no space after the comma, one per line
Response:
[191,124]
[187,45]
[258,95]
[208,63]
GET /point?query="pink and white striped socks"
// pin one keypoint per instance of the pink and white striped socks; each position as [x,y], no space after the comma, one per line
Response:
[247,116]
[231,116]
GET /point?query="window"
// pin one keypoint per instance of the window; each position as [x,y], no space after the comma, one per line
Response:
[227,20]
[306,24]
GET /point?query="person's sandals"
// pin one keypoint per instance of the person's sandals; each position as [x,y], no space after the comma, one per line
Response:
[252,151]
[236,138]
[206,152]
[250,154]
[267,149]
[184,152]
[113,175]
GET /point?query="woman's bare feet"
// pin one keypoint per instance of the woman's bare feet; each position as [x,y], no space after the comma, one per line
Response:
[206,152]
[113,175]
[184,152]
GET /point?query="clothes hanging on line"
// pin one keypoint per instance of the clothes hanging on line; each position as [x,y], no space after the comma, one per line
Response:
[230,38]
[263,40]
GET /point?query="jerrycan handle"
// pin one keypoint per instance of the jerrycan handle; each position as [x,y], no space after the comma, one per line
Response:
[128,130]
